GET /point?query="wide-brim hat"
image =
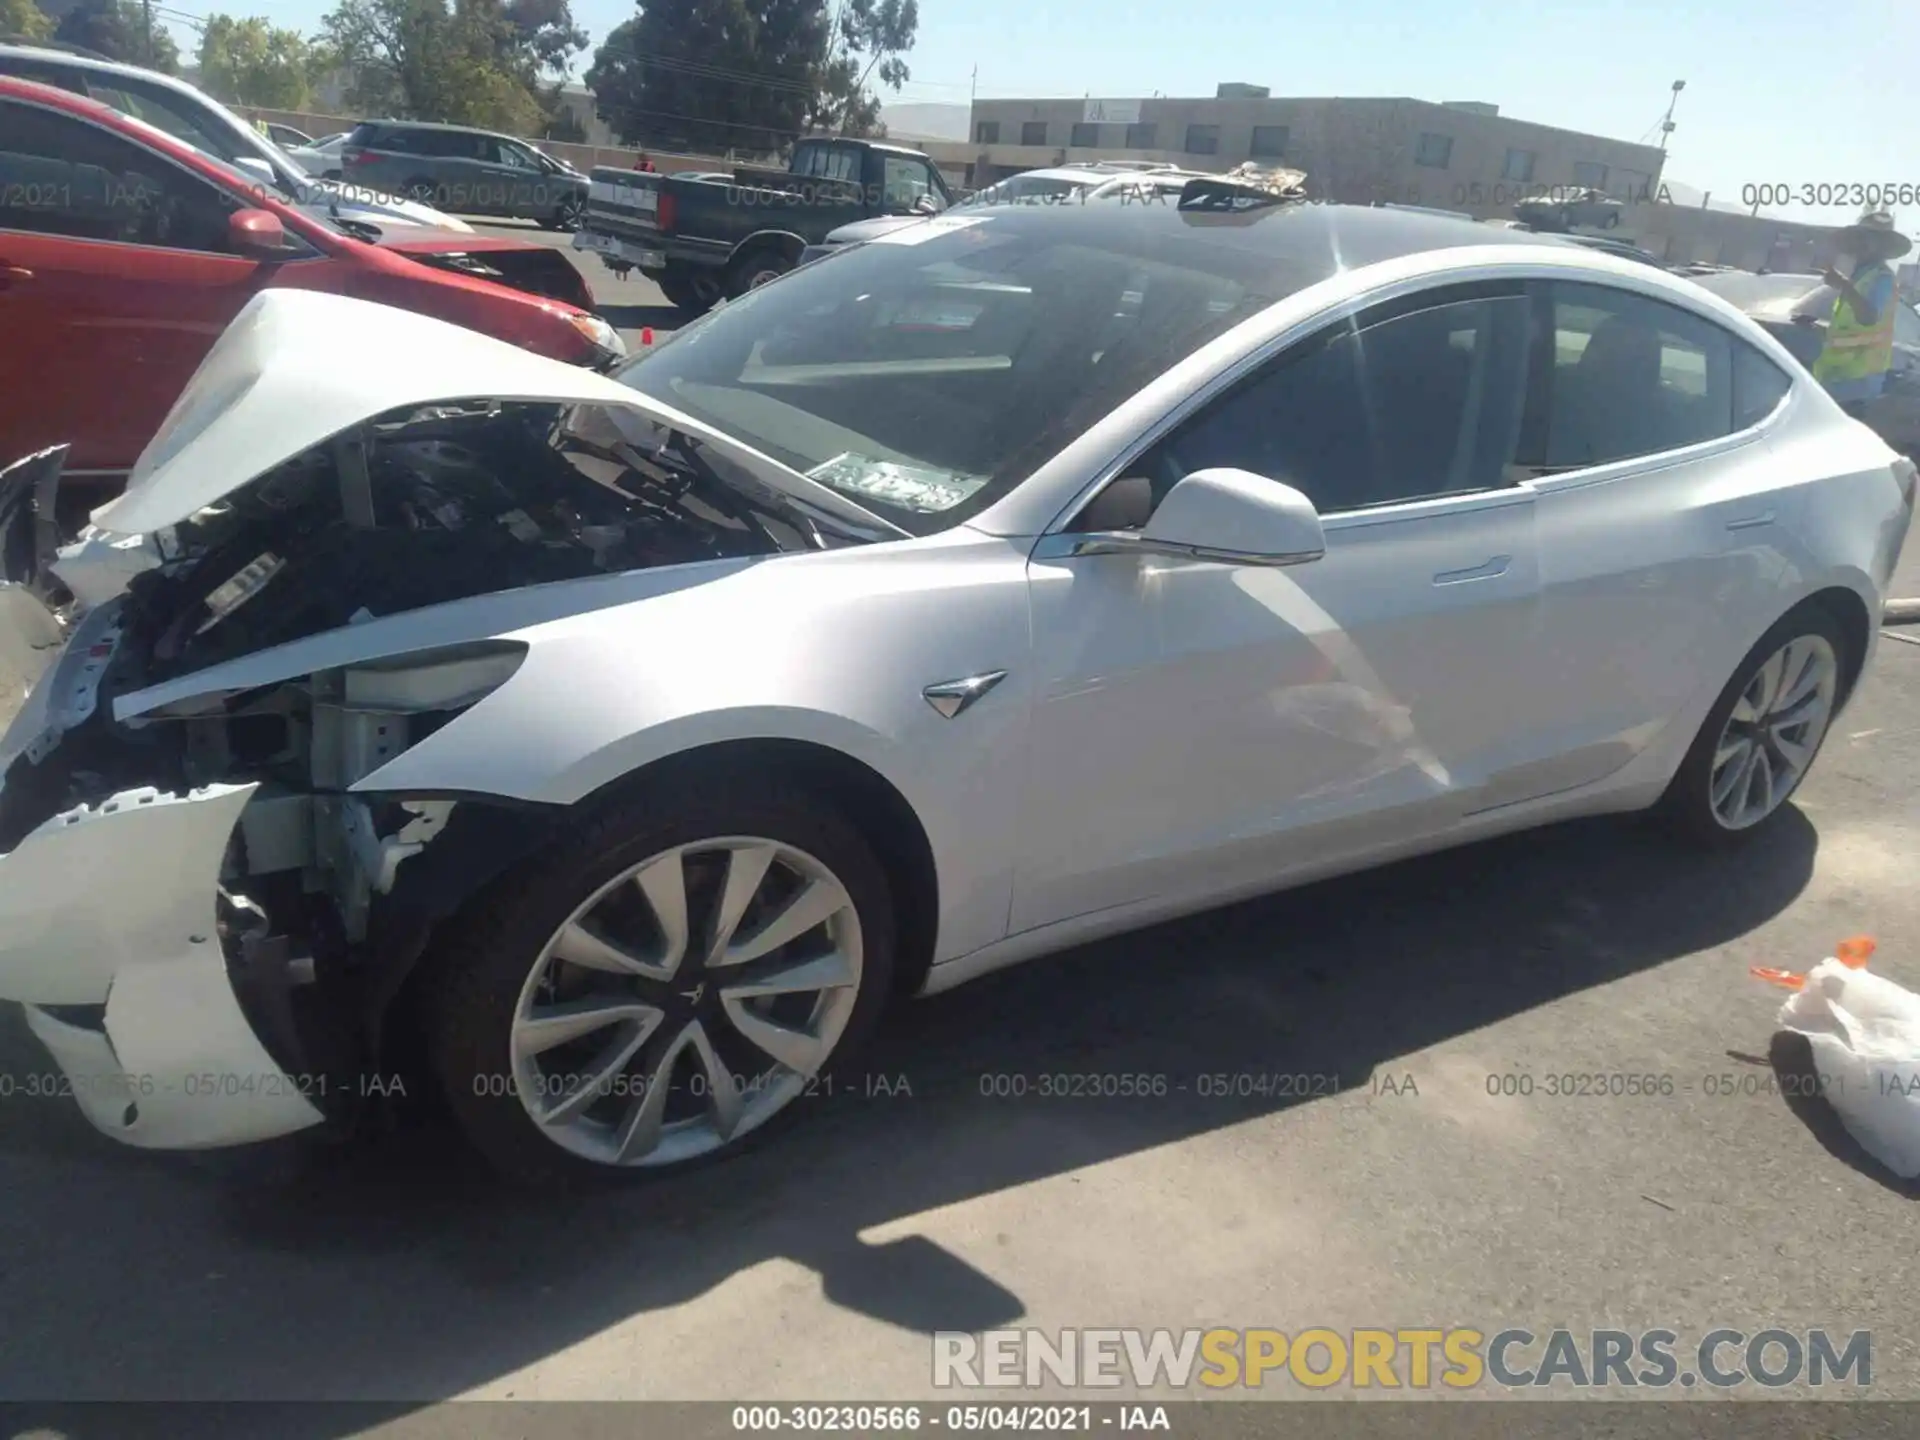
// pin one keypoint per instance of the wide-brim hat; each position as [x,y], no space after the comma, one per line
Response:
[1873,234]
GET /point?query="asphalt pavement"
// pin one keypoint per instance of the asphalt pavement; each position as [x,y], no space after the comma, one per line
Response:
[1396,1186]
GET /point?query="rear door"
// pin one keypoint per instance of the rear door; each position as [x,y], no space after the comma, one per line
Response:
[115,279]
[1660,513]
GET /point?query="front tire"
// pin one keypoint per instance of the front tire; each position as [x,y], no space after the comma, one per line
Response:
[670,982]
[1760,739]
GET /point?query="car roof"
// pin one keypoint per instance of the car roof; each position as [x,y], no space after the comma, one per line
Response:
[129,127]
[435,125]
[98,64]
[1288,237]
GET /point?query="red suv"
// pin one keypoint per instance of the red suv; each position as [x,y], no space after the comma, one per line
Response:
[124,253]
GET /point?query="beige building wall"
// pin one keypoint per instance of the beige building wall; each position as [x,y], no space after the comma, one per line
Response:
[1456,157]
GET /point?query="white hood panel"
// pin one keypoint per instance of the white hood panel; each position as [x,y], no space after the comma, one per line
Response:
[297,367]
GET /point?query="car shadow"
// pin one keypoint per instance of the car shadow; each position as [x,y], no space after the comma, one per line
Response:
[395,1267]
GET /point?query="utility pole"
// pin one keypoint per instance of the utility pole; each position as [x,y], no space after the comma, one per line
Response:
[1666,121]
[146,27]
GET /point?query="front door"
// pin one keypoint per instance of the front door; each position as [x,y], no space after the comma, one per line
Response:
[1206,728]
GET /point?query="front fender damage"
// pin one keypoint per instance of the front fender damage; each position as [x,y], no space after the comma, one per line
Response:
[111,934]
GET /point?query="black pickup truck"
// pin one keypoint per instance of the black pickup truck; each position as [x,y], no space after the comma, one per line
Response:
[702,238]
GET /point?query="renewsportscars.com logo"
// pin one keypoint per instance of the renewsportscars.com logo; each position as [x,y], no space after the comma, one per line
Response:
[1456,1357]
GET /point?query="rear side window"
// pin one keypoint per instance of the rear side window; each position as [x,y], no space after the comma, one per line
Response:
[1630,376]
[62,176]
[1759,386]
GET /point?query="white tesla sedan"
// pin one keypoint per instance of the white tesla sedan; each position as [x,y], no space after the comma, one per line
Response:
[1013,579]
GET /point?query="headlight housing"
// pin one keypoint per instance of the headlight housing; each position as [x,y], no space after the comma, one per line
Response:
[599,333]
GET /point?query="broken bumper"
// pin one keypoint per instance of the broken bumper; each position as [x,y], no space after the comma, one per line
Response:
[109,935]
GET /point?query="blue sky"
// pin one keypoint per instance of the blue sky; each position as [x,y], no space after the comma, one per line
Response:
[1819,91]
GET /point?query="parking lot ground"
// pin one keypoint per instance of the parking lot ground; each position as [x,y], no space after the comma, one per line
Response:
[1369,1176]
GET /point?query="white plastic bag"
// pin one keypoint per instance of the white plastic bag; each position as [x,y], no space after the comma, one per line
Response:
[1865,1036]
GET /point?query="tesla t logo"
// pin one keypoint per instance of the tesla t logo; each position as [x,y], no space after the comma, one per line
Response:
[694,996]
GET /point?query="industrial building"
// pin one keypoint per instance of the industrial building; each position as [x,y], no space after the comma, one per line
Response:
[1456,156]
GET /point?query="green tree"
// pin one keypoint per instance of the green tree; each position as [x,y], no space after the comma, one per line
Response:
[496,63]
[24,19]
[874,37]
[118,29]
[251,62]
[712,75]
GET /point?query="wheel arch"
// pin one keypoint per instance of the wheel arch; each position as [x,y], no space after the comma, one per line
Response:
[502,836]
[868,798]
[1845,605]
[783,242]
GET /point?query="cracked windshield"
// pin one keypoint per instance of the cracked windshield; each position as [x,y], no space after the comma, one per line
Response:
[891,716]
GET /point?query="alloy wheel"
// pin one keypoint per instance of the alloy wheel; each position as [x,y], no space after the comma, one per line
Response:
[687,1002]
[1770,738]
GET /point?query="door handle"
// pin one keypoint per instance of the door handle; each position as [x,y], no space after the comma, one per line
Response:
[1751,522]
[1485,571]
[11,273]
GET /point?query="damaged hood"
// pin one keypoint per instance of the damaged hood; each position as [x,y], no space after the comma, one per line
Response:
[296,368]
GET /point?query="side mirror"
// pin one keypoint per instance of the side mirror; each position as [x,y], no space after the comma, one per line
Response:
[1238,516]
[1226,515]
[257,235]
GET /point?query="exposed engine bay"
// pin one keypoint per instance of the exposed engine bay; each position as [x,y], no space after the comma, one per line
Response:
[409,511]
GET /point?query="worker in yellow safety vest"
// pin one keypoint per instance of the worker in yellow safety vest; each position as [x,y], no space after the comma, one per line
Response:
[1853,364]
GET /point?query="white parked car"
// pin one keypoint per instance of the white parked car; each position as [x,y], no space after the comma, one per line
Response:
[322,157]
[201,121]
[1029,576]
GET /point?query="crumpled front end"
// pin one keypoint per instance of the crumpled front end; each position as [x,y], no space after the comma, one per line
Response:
[208,903]
[112,934]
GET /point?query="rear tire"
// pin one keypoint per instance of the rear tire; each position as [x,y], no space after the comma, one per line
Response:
[1762,735]
[501,975]
[694,291]
[754,269]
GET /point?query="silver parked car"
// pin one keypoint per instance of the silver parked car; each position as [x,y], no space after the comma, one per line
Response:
[1074,568]
[474,172]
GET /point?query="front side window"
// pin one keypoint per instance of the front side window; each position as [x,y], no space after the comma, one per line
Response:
[925,380]
[1632,376]
[1422,404]
[62,176]
[164,112]
[513,155]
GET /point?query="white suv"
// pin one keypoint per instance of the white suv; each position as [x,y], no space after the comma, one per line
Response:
[199,120]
